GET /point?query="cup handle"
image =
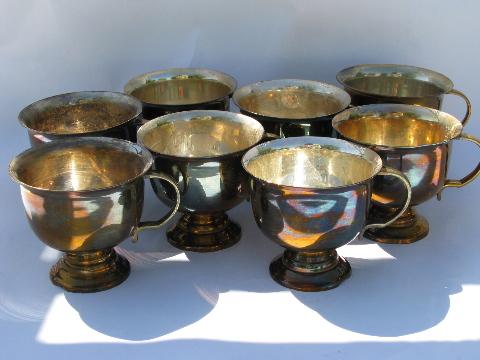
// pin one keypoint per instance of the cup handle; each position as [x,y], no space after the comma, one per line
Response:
[388,171]
[143,225]
[470,176]
[467,101]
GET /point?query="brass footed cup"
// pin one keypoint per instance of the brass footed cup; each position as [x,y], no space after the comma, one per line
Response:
[398,84]
[181,89]
[411,139]
[83,196]
[201,150]
[311,195]
[292,107]
[83,113]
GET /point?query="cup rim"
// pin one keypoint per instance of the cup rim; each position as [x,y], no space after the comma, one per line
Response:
[139,81]
[277,84]
[72,142]
[79,95]
[188,116]
[366,153]
[345,116]
[348,73]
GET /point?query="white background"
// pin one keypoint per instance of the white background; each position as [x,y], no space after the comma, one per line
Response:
[402,302]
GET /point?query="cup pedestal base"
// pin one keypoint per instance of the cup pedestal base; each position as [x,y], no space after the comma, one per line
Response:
[310,271]
[90,271]
[204,232]
[409,228]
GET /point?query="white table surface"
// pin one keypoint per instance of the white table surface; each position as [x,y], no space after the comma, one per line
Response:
[418,301]
[401,302]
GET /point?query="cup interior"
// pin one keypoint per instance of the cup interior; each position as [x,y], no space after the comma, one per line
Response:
[83,164]
[397,126]
[307,162]
[395,80]
[80,113]
[291,99]
[181,86]
[193,134]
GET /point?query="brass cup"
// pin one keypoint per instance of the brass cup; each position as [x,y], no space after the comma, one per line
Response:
[180,89]
[81,199]
[201,150]
[311,195]
[412,139]
[84,113]
[291,107]
[401,84]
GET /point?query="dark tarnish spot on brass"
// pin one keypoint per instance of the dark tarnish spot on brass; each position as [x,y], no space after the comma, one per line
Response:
[83,117]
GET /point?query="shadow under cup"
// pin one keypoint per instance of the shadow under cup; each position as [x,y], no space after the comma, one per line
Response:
[201,150]
[81,200]
[414,140]
[311,195]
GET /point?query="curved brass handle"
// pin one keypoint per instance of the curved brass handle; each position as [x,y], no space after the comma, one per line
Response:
[388,171]
[470,176]
[143,225]
[467,101]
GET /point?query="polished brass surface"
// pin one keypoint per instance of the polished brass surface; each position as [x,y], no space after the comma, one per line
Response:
[313,166]
[390,83]
[181,89]
[81,200]
[292,107]
[200,134]
[100,270]
[204,232]
[311,195]
[201,150]
[85,113]
[411,139]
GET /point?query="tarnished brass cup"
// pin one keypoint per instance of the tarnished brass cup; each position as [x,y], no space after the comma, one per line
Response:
[84,113]
[83,196]
[180,89]
[414,140]
[291,107]
[201,150]
[312,195]
[402,84]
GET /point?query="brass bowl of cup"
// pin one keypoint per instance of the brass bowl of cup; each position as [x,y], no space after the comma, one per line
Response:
[415,140]
[80,200]
[402,84]
[311,195]
[292,107]
[181,89]
[201,150]
[84,113]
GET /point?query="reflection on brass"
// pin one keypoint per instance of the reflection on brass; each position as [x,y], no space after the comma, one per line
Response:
[402,129]
[87,113]
[303,105]
[312,166]
[411,139]
[181,91]
[311,195]
[201,150]
[79,200]
[187,135]
[389,83]
[173,90]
